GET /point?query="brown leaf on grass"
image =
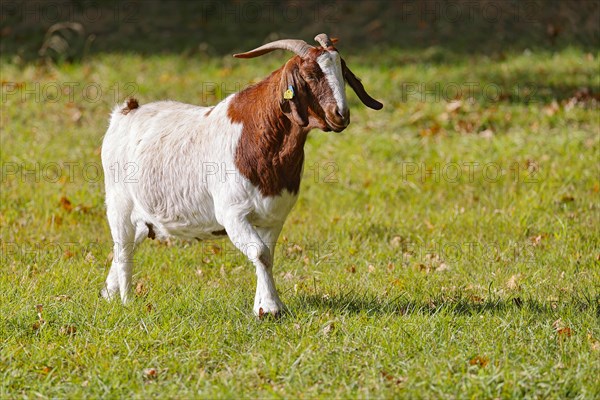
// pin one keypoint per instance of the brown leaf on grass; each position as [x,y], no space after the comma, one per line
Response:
[558,324]
[431,131]
[89,258]
[62,297]
[215,249]
[371,268]
[535,240]
[351,269]
[392,379]
[396,241]
[294,249]
[513,282]
[66,204]
[464,126]
[565,332]
[46,369]
[141,289]
[328,329]
[594,343]
[68,254]
[149,307]
[150,374]
[476,299]
[480,361]
[67,330]
[561,329]
[38,324]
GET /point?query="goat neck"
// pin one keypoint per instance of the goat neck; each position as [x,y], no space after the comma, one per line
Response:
[270,152]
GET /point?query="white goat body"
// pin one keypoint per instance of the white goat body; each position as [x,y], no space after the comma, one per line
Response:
[174,169]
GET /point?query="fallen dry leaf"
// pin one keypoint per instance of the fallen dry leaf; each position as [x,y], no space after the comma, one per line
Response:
[66,204]
[215,249]
[480,361]
[141,289]
[392,379]
[536,240]
[150,373]
[513,282]
[38,324]
[558,324]
[328,329]
[294,249]
[67,330]
[396,241]
[594,343]
[565,332]
[89,258]
[46,369]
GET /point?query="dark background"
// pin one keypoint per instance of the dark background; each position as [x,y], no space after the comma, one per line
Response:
[34,30]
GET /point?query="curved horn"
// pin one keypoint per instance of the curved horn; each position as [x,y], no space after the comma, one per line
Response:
[299,47]
[324,40]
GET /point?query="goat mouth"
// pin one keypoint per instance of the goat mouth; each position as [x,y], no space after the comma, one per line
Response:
[334,126]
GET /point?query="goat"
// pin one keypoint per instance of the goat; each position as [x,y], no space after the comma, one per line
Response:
[180,170]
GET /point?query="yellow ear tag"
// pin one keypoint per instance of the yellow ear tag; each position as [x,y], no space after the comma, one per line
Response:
[289,93]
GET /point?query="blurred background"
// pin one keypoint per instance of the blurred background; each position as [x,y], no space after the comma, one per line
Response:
[75,29]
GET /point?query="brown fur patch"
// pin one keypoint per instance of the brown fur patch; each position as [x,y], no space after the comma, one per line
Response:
[270,152]
[131,104]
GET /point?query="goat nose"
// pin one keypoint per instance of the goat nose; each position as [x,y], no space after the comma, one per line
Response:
[344,113]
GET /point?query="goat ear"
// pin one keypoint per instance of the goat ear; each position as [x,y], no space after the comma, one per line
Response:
[359,89]
[296,106]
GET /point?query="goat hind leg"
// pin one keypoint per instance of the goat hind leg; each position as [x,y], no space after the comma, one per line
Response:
[123,234]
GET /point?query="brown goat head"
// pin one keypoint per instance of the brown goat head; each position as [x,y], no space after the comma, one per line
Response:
[312,86]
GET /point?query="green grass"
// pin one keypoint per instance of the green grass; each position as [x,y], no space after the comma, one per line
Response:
[479,278]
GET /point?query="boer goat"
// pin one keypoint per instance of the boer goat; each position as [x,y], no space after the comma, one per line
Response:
[234,169]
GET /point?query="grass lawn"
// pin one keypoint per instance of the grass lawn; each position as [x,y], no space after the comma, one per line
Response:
[447,246]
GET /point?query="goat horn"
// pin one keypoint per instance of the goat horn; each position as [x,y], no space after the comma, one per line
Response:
[299,47]
[324,40]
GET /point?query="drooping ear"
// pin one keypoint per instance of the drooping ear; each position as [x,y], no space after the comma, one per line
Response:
[295,107]
[359,89]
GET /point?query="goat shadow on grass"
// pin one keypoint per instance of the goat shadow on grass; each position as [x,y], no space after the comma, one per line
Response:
[401,305]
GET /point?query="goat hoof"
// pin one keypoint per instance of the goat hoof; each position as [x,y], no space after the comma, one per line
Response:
[269,309]
[108,294]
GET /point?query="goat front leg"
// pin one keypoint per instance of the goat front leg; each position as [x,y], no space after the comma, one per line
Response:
[267,292]
[243,235]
